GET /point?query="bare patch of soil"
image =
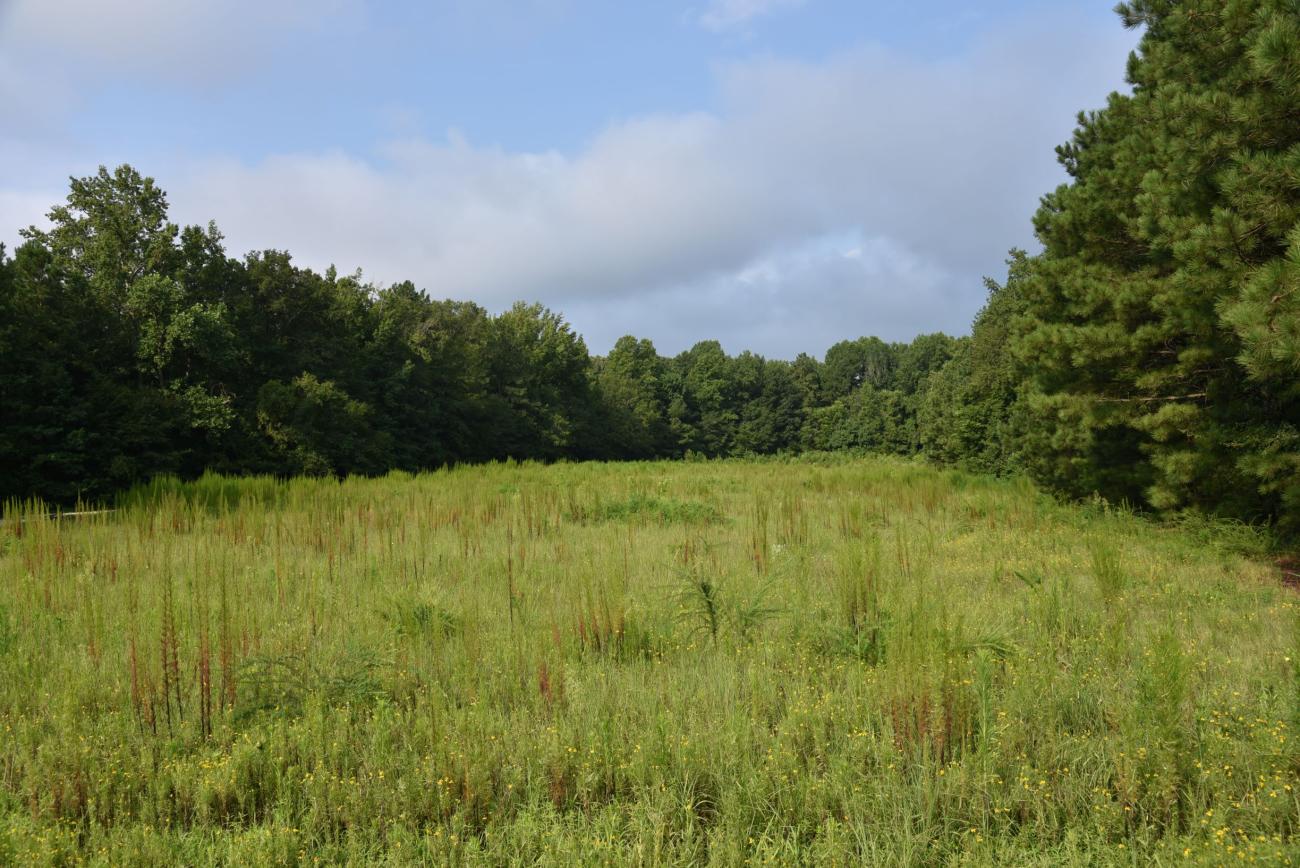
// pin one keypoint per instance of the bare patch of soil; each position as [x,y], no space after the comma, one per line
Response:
[1289,565]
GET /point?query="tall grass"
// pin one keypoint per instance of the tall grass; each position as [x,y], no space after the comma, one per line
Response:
[814,661]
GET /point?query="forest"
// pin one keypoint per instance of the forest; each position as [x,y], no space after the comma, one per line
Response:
[1148,354]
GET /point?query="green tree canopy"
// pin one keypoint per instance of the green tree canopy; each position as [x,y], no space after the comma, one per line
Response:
[1158,330]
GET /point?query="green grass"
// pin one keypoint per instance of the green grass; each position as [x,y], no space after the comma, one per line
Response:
[823,661]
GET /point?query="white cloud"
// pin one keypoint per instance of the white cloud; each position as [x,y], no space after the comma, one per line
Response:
[864,194]
[800,297]
[726,14]
[942,161]
[175,37]
[58,56]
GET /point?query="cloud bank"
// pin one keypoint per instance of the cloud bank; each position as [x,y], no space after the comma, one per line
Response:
[932,168]
[181,40]
[866,193]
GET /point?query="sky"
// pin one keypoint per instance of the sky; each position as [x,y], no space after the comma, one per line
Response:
[778,175]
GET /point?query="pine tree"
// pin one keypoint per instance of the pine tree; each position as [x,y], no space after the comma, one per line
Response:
[1160,320]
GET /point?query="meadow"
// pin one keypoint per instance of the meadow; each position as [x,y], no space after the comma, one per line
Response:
[820,661]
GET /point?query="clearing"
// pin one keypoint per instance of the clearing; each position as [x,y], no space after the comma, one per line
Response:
[823,660]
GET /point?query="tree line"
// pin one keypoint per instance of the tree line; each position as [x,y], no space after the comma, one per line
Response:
[1150,353]
[131,347]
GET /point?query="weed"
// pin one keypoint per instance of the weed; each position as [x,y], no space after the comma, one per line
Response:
[8,636]
[1108,571]
[653,510]
[699,603]
[421,619]
[282,683]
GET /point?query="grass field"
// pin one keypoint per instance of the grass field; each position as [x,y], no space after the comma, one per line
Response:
[823,661]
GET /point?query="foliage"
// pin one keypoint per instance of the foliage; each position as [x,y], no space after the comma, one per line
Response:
[640,507]
[633,388]
[1159,322]
[967,413]
[313,426]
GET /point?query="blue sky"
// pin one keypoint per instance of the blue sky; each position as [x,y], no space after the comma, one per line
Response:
[778,174]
